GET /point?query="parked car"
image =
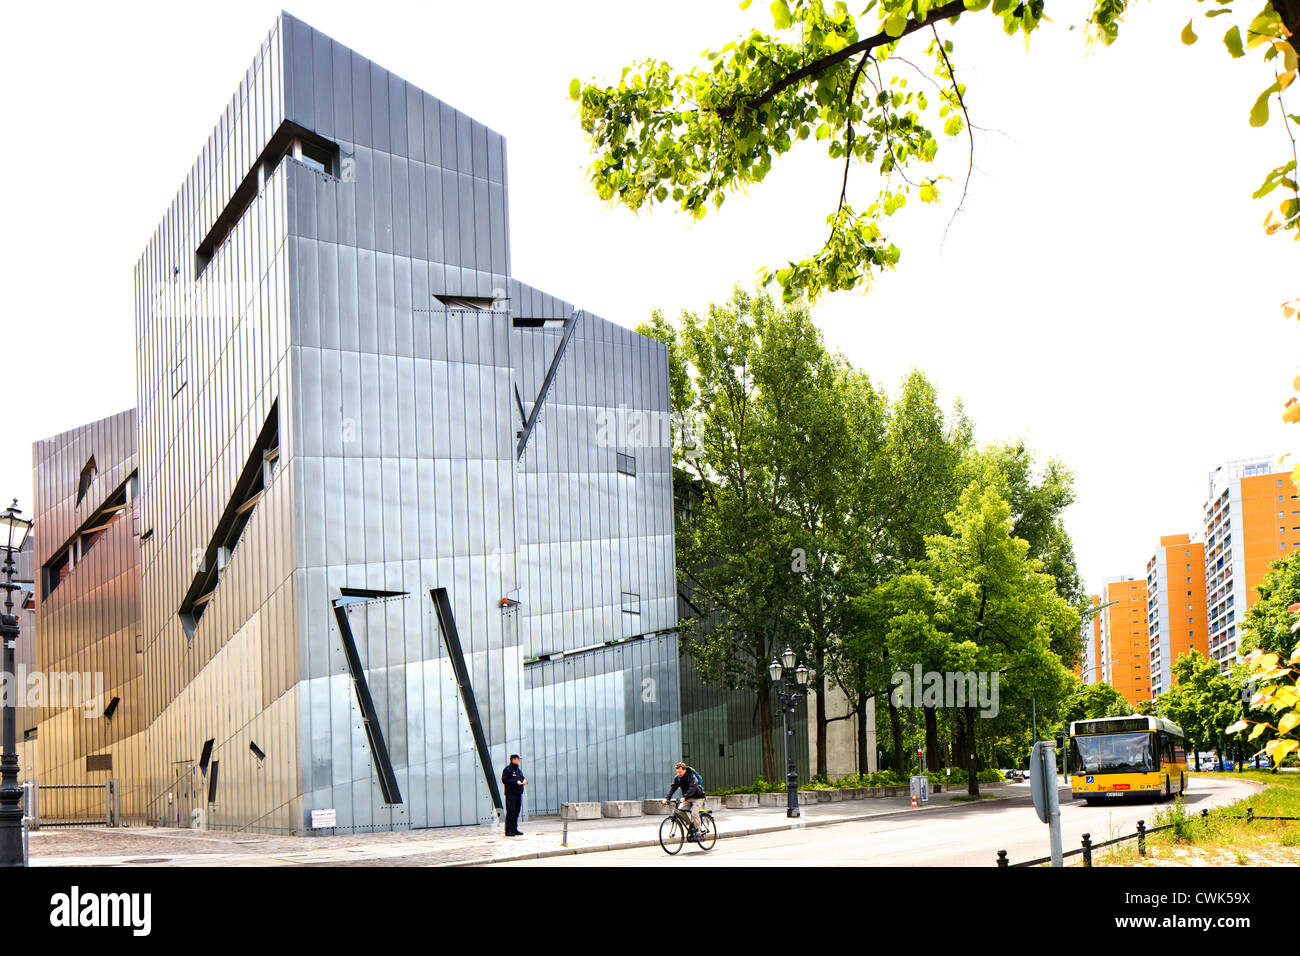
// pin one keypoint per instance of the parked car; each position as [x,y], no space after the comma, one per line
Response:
[1260,761]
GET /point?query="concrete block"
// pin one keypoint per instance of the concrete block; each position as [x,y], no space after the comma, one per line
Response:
[772,799]
[621,808]
[807,797]
[741,801]
[580,811]
[655,808]
[833,796]
[712,803]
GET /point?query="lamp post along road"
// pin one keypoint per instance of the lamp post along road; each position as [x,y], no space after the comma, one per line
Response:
[13,532]
[789,692]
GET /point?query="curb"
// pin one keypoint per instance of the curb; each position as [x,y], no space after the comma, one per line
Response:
[802,824]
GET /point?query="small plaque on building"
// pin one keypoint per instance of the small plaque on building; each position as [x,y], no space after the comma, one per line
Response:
[99,762]
[321,819]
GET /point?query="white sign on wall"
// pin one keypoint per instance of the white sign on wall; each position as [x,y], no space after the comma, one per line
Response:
[322,819]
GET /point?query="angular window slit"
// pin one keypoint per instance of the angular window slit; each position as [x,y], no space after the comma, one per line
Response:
[206,756]
[253,481]
[88,472]
[290,141]
[70,554]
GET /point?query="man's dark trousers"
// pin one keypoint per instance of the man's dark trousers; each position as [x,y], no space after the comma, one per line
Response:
[513,802]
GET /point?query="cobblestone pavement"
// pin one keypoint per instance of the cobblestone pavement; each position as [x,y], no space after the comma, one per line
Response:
[160,846]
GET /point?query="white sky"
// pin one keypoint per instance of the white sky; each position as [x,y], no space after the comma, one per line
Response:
[1106,292]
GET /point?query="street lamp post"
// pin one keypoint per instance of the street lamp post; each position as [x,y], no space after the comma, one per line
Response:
[789,692]
[13,532]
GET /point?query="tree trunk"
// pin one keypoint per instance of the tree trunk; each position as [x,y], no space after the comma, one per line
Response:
[958,736]
[931,739]
[820,659]
[864,759]
[896,726]
[972,766]
[765,718]
[1289,11]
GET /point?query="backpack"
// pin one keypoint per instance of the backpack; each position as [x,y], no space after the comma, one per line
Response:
[699,777]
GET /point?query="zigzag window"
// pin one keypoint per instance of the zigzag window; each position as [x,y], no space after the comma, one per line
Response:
[290,141]
[61,563]
[252,484]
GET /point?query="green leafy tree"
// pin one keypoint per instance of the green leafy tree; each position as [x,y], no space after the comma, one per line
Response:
[1268,623]
[734,560]
[779,434]
[1038,500]
[824,76]
[999,608]
[1203,701]
[1093,702]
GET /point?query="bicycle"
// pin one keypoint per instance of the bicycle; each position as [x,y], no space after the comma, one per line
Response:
[673,829]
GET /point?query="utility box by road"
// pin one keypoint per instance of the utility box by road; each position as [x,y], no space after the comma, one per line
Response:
[921,789]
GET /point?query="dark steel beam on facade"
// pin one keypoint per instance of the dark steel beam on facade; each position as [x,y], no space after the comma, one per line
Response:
[447,623]
[374,733]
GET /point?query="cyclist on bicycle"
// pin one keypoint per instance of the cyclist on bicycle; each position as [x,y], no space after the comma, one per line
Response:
[688,781]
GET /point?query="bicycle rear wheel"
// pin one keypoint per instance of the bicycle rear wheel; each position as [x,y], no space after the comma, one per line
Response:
[708,832]
[672,835]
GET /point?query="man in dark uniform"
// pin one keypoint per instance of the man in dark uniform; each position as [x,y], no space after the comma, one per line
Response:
[513,779]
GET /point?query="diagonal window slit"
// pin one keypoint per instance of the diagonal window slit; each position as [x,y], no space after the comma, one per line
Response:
[250,487]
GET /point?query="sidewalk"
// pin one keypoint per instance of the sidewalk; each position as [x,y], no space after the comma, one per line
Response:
[453,846]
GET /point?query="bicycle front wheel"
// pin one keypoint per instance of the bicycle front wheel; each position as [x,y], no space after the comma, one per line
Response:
[672,835]
[708,832]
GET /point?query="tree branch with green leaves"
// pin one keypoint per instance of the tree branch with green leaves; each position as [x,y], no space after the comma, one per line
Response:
[691,138]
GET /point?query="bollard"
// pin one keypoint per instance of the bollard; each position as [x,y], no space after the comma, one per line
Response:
[1205,817]
[1250,814]
[564,837]
[1002,857]
[1142,838]
[1087,849]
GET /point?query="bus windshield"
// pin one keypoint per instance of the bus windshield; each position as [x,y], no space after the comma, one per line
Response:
[1115,753]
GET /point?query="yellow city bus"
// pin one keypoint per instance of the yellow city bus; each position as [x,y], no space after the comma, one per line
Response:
[1117,757]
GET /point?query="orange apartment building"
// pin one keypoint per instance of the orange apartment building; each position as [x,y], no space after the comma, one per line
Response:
[1125,653]
[1252,518]
[1176,613]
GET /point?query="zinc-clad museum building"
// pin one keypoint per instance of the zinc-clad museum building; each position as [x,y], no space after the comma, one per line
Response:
[380,539]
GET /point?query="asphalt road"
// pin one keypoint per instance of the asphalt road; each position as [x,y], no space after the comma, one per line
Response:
[962,834]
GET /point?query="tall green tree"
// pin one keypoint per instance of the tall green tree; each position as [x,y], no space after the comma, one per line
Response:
[1203,702]
[824,76]
[1093,702]
[999,607]
[778,430]
[920,478]
[1038,499]
[1268,623]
